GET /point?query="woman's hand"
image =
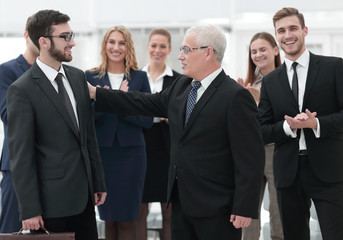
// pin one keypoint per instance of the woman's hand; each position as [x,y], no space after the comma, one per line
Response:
[124,86]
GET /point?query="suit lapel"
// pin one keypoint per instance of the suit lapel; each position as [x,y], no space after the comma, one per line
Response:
[51,94]
[181,101]
[313,70]
[212,88]
[75,86]
[106,81]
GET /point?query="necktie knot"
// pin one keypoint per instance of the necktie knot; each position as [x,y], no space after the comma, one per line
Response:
[59,77]
[196,85]
[294,65]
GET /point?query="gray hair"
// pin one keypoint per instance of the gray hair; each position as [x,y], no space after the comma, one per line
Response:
[209,35]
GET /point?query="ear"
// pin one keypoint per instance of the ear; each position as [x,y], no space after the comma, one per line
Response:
[305,30]
[276,50]
[26,36]
[44,42]
[210,52]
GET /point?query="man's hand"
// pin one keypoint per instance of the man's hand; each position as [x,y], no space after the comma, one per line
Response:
[239,221]
[302,120]
[99,198]
[33,223]
[92,91]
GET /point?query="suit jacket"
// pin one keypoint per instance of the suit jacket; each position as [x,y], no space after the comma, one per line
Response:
[9,72]
[54,167]
[324,95]
[218,157]
[126,129]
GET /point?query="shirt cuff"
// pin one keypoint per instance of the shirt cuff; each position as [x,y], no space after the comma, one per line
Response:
[317,131]
[288,131]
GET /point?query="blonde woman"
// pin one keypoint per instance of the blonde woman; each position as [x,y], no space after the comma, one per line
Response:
[120,138]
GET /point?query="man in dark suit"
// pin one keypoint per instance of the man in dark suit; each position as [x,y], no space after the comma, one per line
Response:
[9,72]
[217,152]
[301,110]
[56,169]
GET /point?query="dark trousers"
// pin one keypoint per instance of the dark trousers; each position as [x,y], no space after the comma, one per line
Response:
[295,201]
[83,224]
[9,218]
[184,227]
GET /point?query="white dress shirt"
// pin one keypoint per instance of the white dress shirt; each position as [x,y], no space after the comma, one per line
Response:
[157,85]
[51,74]
[302,70]
[115,79]
[206,82]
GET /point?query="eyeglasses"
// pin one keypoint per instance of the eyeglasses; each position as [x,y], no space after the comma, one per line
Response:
[186,50]
[66,37]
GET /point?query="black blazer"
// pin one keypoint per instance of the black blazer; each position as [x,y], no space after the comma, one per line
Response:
[324,95]
[54,167]
[167,81]
[9,72]
[218,157]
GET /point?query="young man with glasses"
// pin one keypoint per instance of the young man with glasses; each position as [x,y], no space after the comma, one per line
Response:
[217,152]
[55,163]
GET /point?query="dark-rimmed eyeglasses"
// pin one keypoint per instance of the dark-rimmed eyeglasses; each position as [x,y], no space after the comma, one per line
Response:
[186,50]
[66,37]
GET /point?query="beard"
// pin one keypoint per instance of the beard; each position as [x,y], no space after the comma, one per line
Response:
[59,55]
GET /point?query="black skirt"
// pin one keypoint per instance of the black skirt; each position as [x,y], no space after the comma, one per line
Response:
[157,141]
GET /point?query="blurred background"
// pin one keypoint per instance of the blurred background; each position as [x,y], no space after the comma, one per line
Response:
[240,19]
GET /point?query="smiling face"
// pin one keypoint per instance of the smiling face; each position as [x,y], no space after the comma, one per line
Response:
[263,54]
[116,47]
[291,36]
[60,50]
[158,49]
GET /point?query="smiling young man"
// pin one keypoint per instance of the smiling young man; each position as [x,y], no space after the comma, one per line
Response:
[54,159]
[301,110]
[217,152]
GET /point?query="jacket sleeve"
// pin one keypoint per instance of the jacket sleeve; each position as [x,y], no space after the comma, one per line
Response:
[141,121]
[247,152]
[272,130]
[93,150]
[20,133]
[7,77]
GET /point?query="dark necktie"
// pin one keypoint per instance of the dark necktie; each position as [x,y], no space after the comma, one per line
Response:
[295,87]
[65,99]
[192,98]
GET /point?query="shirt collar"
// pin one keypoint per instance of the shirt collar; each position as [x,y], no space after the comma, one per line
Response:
[167,71]
[209,79]
[49,72]
[303,60]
